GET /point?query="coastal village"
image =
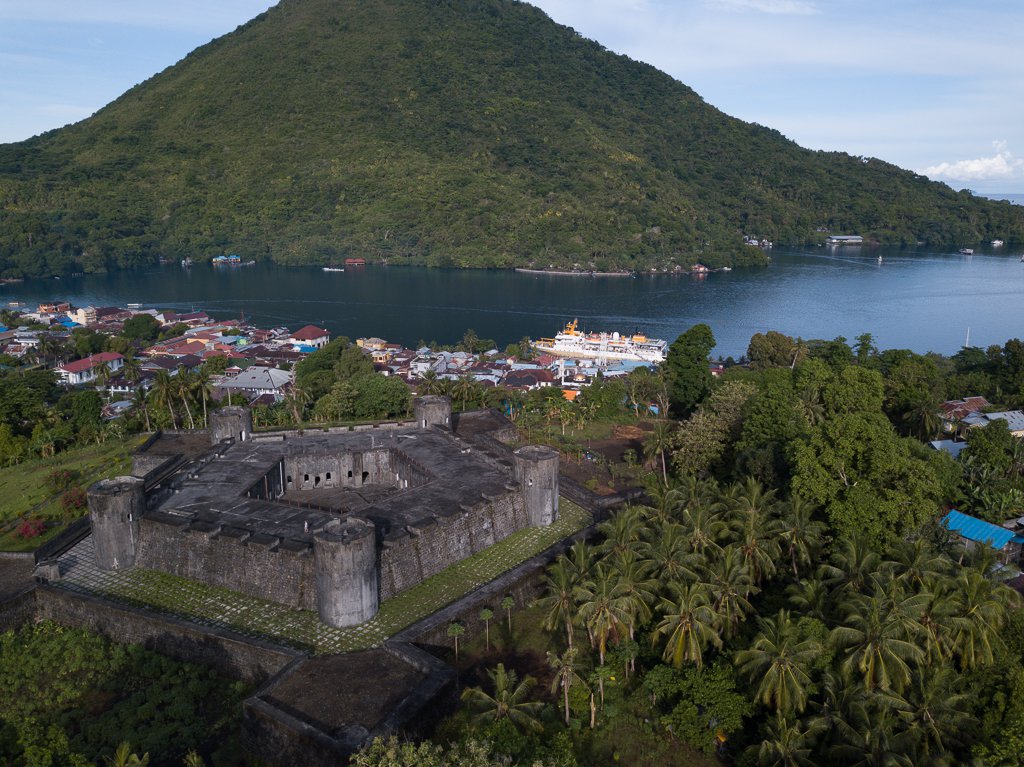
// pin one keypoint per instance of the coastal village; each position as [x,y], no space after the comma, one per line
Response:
[257,365]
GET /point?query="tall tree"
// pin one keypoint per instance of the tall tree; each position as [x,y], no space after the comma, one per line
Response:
[686,369]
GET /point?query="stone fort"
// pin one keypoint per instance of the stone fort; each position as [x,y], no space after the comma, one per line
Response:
[333,520]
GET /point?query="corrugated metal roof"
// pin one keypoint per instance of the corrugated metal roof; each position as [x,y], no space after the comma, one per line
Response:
[980,531]
[1014,419]
[948,445]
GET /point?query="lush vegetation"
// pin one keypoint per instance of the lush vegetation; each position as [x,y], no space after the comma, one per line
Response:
[68,698]
[461,132]
[786,596]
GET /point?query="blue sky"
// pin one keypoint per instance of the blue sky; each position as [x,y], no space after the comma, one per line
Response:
[936,86]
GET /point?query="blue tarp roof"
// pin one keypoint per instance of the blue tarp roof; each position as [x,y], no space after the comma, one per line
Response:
[980,531]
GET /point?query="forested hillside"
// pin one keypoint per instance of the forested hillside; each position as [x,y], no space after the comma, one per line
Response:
[447,132]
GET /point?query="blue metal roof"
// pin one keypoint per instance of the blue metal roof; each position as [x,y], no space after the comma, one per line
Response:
[980,531]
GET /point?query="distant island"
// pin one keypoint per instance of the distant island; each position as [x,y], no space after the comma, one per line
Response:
[466,134]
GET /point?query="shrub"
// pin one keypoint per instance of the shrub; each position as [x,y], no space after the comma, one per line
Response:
[74,500]
[30,528]
[59,480]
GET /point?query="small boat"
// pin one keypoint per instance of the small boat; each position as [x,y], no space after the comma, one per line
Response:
[879,259]
[334,268]
[997,243]
[966,251]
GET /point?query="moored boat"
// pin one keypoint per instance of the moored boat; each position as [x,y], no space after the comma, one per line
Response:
[571,342]
[334,268]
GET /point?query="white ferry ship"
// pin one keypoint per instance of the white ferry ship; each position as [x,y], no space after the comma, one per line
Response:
[611,346]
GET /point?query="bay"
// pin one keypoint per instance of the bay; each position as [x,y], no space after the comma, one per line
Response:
[925,301]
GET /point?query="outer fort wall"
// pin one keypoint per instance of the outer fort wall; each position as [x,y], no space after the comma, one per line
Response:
[256,565]
[427,549]
[233,655]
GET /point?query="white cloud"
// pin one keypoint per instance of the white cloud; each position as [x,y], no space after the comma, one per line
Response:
[999,167]
[782,7]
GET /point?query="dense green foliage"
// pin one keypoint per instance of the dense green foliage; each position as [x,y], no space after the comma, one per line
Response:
[459,132]
[786,596]
[68,698]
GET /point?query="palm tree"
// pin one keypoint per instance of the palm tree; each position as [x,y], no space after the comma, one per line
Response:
[637,585]
[183,381]
[800,535]
[455,630]
[704,528]
[787,744]
[914,563]
[123,757]
[933,716]
[924,417]
[874,643]
[139,402]
[559,601]
[668,552]
[130,368]
[688,622]
[622,532]
[757,538]
[810,597]
[851,565]
[604,608]
[507,603]
[507,702]
[979,610]
[667,502]
[203,386]
[465,389]
[867,737]
[163,393]
[566,674]
[429,383]
[731,589]
[581,559]
[658,442]
[485,615]
[778,663]
[101,374]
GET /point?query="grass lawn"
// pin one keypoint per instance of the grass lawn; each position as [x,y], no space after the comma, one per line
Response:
[25,493]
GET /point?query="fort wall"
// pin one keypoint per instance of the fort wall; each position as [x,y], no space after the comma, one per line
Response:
[280,570]
[248,659]
[434,543]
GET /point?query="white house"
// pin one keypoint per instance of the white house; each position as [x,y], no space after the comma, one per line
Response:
[84,370]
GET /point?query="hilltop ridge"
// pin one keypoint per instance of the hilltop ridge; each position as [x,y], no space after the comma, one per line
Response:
[446,132]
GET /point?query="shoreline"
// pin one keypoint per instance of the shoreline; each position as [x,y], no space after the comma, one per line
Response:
[571,273]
